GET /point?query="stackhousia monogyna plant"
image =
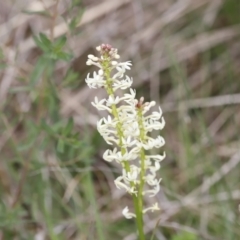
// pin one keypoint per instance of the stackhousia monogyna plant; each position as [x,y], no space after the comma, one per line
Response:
[127,128]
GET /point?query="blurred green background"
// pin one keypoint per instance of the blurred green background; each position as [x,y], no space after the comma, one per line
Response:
[54,183]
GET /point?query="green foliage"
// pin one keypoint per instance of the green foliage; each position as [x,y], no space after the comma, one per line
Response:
[71,79]
[2,63]
[230,11]
[52,50]
[40,67]
[77,10]
[8,218]
[40,13]
[184,236]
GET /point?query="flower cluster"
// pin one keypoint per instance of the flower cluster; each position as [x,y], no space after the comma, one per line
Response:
[127,126]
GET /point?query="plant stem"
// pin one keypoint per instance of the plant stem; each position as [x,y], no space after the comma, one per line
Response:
[139,203]
[137,200]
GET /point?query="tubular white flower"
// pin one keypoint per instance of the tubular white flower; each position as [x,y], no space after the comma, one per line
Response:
[158,158]
[110,155]
[152,143]
[128,126]
[127,214]
[123,84]
[155,207]
[120,185]
[100,105]
[154,183]
[148,106]
[111,100]
[132,175]
[129,142]
[128,156]
[96,81]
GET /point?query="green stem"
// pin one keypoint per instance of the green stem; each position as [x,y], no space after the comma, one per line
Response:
[142,174]
[137,200]
[139,216]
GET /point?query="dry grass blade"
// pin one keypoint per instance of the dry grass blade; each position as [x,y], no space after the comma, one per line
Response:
[218,101]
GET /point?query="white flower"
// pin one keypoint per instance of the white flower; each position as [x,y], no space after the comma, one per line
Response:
[122,84]
[111,100]
[100,105]
[121,185]
[155,207]
[128,156]
[152,143]
[155,168]
[148,106]
[110,155]
[155,184]
[96,81]
[155,115]
[132,175]
[158,158]
[131,95]
[127,214]
[151,124]
[121,69]
[111,140]
[131,128]
[124,65]
[129,142]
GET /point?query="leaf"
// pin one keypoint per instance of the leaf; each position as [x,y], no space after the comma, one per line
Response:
[46,127]
[38,70]
[59,43]
[76,3]
[40,44]
[41,13]
[45,40]
[184,236]
[60,146]
[2,64]
[68,127]
[75,20]
[71,79]
[64,56]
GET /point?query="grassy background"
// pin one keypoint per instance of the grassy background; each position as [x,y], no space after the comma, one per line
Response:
[54,183]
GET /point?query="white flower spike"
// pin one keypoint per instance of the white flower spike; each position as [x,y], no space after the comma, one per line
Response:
[127,128]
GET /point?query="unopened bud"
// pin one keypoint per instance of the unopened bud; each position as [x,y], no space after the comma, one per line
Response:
[114,63]
[89,62]
[100,72]
[90,56]
[95,58]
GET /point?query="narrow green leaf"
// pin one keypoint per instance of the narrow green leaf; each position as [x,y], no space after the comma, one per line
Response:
[69,127]
[46,127]
[64,56]
[40,44]
[45,40]
[59,43]
[38,70]
[41,13]
[60,146]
